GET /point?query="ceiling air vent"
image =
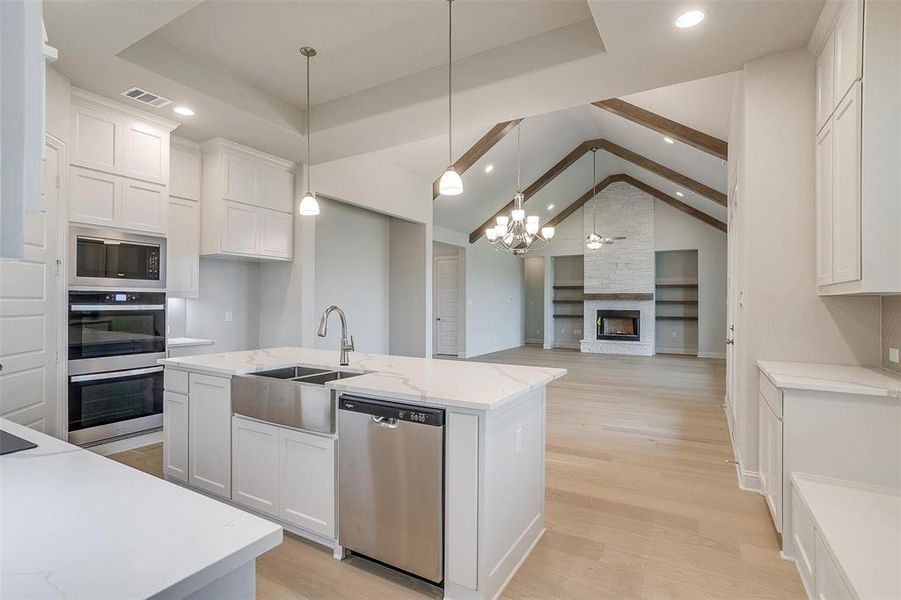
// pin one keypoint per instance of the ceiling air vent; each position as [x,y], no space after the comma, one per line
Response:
[145,97]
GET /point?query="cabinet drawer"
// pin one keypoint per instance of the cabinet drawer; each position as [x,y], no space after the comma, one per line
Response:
[829,582]
[803,539]
[175,381]
[770,393]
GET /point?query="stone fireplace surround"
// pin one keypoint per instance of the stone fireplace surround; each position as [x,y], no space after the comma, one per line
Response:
[620,276]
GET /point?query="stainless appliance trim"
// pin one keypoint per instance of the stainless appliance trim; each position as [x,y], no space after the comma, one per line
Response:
[114,430]
[114,374]
[114,307]
[289,402]
[114,236]
[114,363]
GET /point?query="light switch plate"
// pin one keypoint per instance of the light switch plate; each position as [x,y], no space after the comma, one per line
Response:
[517,440]
[893,355]
[228,316]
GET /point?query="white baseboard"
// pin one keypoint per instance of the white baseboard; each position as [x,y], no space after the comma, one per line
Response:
[685,351]
[535,340]
[720,355]
[568,345]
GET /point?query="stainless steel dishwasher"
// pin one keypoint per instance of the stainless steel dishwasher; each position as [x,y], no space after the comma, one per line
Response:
[391,484]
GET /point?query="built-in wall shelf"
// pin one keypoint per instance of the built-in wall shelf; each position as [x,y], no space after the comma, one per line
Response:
[677,301]
[675,318]
[567,301]
[569,287]
[619,296]
[568,316]
[677,285]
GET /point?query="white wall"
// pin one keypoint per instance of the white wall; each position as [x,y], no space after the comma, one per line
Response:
[780,316]
[59,95]
[675,230]
[408,289]
[495,300]
[225,286]
[534,282]
[352,271]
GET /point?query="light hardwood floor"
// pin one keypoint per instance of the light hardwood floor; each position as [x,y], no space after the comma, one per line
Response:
[641,499]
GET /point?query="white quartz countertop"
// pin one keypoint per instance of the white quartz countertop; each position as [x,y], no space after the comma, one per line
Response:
[463,384]
[831,378]
[861,525]
[77,525]
[184,342]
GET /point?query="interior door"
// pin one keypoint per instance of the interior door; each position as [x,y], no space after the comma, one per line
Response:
[732,302]
[447,305]
[29,304]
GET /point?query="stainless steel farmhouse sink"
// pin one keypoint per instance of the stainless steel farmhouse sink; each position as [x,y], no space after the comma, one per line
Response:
[292,396]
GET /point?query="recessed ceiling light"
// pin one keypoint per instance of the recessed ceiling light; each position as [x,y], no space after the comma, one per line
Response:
[690,18]
[668,140]
[489,168]
[680,194]
[184,111]
[550,207]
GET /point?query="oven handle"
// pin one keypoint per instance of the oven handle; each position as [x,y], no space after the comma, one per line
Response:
[114,375]
[114,307]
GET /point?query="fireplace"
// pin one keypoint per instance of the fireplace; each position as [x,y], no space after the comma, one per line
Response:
[622,325]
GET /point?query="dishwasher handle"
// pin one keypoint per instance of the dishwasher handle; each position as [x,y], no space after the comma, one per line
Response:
[390,414]
[386,422]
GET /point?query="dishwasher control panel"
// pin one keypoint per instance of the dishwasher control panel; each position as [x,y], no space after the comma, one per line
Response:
[393,410]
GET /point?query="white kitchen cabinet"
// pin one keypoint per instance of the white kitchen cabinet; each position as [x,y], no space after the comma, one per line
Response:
[804,538]
[255,465]
[184,169]
[860,236]
[175,436]
[209,434]
[95,197]
[146,152]
[823,204]
[145,207]
[306,467]
[829,584]
[246,203]
[183,249]
[97,137]
[770,460]
[846,207]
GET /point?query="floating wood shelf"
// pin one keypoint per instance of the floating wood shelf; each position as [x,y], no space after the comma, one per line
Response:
[675,318]
[677,285]
[630,296]
[569,287]
[567,302]
[677,302]
[569,317]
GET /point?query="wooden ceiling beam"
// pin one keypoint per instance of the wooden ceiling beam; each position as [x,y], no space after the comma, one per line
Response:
[677,131]
[479,149]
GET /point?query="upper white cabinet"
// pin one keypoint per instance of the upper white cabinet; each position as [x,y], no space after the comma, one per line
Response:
[858,149]
[247,203]
[122,160]
[183,244]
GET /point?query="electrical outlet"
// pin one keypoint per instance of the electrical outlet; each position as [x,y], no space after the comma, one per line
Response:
[674,334]
[168,329]
[517,441]
[893,355]
[228,316]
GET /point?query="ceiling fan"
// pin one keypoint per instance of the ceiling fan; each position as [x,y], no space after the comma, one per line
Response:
[594,240]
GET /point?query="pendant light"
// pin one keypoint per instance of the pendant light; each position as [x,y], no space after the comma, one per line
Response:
[450,184]
[309,206]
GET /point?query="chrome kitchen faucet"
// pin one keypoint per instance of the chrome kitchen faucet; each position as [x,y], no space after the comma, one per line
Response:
[347,344]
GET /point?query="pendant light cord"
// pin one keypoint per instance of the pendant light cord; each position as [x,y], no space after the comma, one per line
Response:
[450,69]
[594,190]
[309,134]
[518,160]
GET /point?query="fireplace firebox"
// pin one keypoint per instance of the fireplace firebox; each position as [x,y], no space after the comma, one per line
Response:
[622,325]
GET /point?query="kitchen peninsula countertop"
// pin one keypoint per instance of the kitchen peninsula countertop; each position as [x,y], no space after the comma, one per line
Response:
[831,378]
[462,384]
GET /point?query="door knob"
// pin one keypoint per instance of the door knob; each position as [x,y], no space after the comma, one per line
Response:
[729,341]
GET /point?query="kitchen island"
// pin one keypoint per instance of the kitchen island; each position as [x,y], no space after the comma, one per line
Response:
[78,525]
[493,450]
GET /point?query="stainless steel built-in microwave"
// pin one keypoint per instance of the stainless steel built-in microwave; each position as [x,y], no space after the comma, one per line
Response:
[110,258]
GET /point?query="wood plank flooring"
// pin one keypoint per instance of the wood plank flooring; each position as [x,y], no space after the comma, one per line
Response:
[641,499]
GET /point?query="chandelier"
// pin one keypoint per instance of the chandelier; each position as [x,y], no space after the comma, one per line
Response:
[594,240]
[518,233]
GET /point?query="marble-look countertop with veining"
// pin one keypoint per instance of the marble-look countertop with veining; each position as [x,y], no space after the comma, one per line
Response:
[74,524]
[461,384]
[831,378]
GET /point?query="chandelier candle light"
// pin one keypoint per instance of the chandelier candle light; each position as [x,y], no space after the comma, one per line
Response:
[309,206]
[450,184]
[518,233]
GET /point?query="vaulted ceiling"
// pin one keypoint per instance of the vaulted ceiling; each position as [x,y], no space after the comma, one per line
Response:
[380,79]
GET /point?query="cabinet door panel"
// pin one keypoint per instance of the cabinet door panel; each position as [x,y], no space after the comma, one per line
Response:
[306,467]
[825,82]
[184,174]
[824,209]
[98,139]
[255,465]
[277,233]
[182,248]
[145,206]
[803,539]
[175,436]
[846,189]
[829,583]
[240,228]
[848,49]
[241,179]
[277,189]
[146,152]
[209,434]
[95,197]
